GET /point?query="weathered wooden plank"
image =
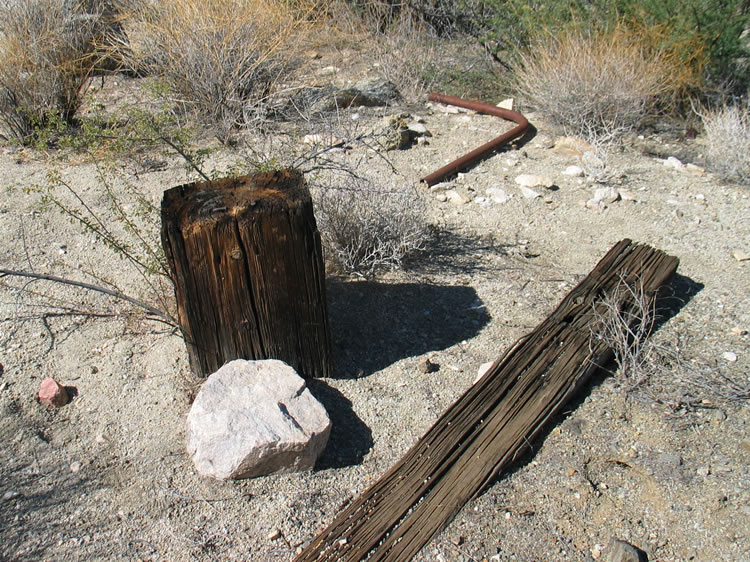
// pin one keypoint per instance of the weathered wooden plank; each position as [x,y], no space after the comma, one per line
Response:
[492,423]
[246,261]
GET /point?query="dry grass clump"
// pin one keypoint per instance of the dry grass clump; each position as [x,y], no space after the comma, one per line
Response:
[594,85]
[221,57]
[366,225]
[728,141]
[48,49]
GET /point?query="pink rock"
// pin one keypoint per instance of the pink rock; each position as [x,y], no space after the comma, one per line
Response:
[52,393]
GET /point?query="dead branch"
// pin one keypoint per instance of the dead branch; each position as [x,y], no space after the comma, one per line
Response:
[159,314]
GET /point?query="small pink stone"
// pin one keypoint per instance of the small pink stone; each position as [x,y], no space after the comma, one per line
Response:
[52,393]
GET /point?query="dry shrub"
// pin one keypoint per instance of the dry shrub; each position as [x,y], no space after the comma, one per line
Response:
[624,320]
[48,49]
[407,56]
[366,225]
[594,85]
[728,141]
[222,57]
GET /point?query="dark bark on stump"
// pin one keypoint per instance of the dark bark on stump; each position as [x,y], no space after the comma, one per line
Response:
[246,261]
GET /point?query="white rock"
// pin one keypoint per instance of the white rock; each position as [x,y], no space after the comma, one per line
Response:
[739,255]
[695,170]
[498,195]
[442,197]
[253,418]
[482,370]
[730,356]
[532,180]
[574,171]
[627,195]
[673,162]
[506,104]
[455,197]
[607,194]
[419,129]
[529,193]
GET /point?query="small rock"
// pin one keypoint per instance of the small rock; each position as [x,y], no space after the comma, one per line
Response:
[730,356]
[442,197]
[573,171]
[595,205]
[736,331]
[529,193]
[627,195]
[274,535]
[740,256]
[695,170]
[532,180]
[620,551]
[607,194]
[253,418]
[418,129]
[596,552]
[52,393]
[498,195]
[506,104]
[427,366]
[455,197]
[10,494]
[703,471]
[673,162]
[442,186]
[482,370]
[75,466]
[571,146]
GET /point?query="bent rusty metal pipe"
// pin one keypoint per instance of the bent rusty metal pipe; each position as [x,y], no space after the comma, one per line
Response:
[485,149]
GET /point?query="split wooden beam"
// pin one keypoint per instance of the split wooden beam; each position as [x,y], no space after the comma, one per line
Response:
[495,420]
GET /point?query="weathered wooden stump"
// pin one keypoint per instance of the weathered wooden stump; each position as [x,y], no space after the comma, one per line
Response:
[246,261]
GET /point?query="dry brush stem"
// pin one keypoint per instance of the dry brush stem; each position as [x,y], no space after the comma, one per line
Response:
[625,320]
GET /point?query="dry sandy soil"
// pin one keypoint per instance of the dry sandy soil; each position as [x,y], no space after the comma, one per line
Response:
[664,467]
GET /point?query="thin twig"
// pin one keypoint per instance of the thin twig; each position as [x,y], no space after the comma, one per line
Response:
[116,294]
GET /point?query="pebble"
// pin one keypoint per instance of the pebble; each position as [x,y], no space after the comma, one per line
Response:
[695,170]
[529,193]
[498,195]
[75,466]
[274,535]
[455,197]
[427,366]
[740,256]
[506,104]
[483,368]
[703,471]
[607,194]
[573,171]
[673,162]
[627,195]
[620,551]
[596,205]
[532,180]
[442,197]
[730,356]
[10,494]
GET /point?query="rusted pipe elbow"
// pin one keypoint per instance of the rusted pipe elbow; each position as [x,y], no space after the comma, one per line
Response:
[477,153]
